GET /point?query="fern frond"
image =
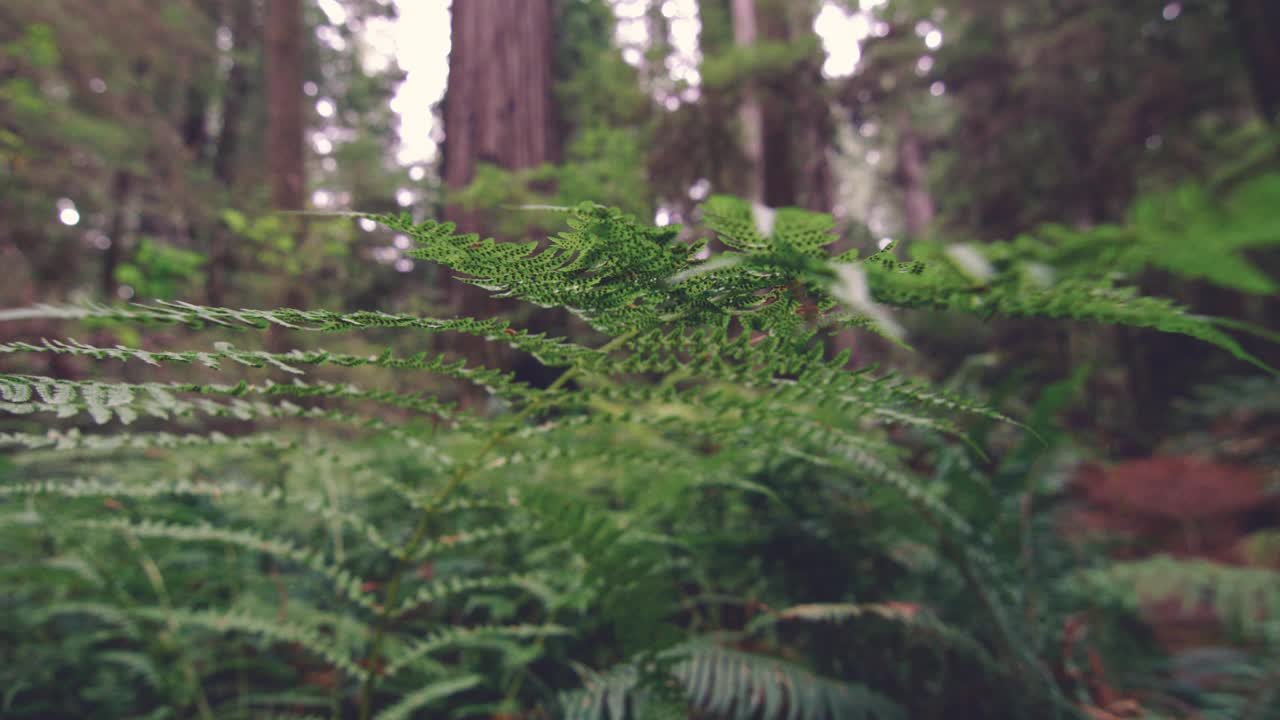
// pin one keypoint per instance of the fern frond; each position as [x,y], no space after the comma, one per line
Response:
[910,616]
[468,637]
[271,629]
[344,582]
[726,683]
[434,592]
[1245,598]
[112,615]
[1005,290]
[12,385]
[464,538]
[93,488]
[721,681]
[496,382]
[427,695]
[861,463]
[549,351]
[74,440]
[21,395]
[608,268]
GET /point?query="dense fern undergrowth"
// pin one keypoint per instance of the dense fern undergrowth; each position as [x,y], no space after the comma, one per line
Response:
[706,514]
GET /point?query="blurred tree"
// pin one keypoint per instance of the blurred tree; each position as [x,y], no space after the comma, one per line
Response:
[498,110]
[284,104]
[999,117]
[150,109]
[242,36]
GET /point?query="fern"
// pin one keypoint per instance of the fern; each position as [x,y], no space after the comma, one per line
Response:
[726,683]
[566,515]
[1246,599]
[428,695]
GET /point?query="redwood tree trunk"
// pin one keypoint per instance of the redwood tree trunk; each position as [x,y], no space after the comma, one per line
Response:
[226,151]
[284,32]
[750,114]
[284,103]
[785,118]
[498,109]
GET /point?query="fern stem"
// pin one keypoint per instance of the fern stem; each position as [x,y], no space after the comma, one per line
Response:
[422,530]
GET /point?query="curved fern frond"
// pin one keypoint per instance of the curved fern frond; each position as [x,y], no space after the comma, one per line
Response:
[549,351]
[126,402]
[1245,598]
[428,695]
[344,582]
[13,386]
[725,683]
[484,636]
[270,629]
[312,505]
[496,382]
[732,683]
[436,591]
[73,440]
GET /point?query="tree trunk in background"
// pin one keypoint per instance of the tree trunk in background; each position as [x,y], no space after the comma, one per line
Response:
[785,116]
[751,117]
[498,109]
[221,253]
[912,175]
[1258,27]
[284,32]
[284,103]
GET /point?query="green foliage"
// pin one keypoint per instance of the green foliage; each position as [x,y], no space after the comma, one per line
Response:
[1189,232]
[726,683]
[1245,599]
[158,271]
[418,557]
[762,61]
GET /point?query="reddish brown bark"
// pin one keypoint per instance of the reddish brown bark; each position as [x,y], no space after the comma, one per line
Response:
[498,109]
[227,147]
[284,32]
[284,103]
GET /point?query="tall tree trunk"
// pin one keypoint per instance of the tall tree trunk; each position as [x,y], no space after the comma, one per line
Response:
[912,176]
[785,119]
[284,103]
[498,109]
[221,252]
[750,113]
[284,132]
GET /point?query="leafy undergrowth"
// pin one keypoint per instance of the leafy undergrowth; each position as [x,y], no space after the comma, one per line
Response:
[706,514]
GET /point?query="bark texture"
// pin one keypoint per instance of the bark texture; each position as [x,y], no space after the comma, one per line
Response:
[498,109]
[284,103]
[750,115]
[227,147]
[784,114]
[284,33]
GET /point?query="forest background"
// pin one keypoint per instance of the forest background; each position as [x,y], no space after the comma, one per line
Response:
[147,147]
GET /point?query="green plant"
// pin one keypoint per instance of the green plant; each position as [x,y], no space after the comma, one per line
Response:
[406,554]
